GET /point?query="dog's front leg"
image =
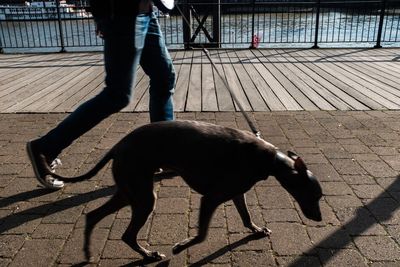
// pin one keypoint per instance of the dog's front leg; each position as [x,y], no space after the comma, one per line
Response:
[241,206]
[207,207]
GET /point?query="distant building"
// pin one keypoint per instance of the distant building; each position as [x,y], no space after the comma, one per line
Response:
[12,2]
[22,2]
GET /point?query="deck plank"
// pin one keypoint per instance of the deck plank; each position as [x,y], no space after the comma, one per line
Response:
[209,96]
[193,101]
[265,79]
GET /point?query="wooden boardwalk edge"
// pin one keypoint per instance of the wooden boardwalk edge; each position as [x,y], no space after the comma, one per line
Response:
[264,80]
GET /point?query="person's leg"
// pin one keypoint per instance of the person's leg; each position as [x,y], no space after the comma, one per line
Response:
[123,44]
[121,58]
[157,64]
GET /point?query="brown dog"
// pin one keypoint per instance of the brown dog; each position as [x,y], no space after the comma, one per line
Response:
[218,162]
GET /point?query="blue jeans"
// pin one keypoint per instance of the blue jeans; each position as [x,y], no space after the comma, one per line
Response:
[127,42]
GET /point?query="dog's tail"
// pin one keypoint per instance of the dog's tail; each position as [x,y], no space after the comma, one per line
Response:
[89,174]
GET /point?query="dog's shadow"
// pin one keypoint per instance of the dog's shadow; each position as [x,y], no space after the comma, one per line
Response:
[207,259]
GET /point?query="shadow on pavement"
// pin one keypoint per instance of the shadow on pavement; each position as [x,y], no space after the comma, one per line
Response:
[358,224]
[14,220]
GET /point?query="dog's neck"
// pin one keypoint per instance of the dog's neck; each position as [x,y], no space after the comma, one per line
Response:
[280,165]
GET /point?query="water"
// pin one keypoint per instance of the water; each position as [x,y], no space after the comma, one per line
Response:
[273,29]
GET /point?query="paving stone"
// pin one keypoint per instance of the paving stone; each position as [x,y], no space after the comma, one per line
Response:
[390,184]
[378,248]
[355,155]
[281,215]
[347,166]
[38,252]
[117,249]
[369,191]
[314,158]
[358,179]
[342,257]
[357,149]
[393,161]
[55,231]
[289,239]
[168,229]
[359,221]
[330,237]
[4,262]
[394,232]
[169,192]
[339,202]
[384,264]
[333,151]
[121,225]
[324,172]
[20,224]
[249,241]
[215,249]
[378,169]
[335,189]
[253,258]
[384,150]
[385,210]
[172,205]
[218,219]
[61,214]
[365,157]
[274,198]
[235,224]
[327,213]
[10,245]
[72,252]
[300,261]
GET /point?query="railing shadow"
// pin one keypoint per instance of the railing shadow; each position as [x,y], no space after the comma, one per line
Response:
[14,220]
[357,224]
[75,60]
[325,58]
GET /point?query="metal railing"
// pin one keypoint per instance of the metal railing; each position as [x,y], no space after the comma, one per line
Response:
[220,24]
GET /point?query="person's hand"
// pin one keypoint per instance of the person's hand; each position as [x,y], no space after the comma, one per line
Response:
[99,33]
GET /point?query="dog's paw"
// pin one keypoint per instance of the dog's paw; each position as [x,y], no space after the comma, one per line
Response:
[154,256]
[88,256]
[262,231]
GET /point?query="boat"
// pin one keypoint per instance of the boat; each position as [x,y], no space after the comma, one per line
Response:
[42,10]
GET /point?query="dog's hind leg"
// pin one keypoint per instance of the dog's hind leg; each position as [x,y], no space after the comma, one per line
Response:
[116,203]
[241,206]
[208,206]
[142,200]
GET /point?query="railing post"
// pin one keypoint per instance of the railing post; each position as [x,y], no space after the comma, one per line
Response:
[1,42]
[186,25]
[253,7]
[317,25]
[217,24]
[60,27]
[1,47]
[380,27]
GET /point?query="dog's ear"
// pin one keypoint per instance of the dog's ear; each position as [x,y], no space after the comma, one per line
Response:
[300,166]
[292,155]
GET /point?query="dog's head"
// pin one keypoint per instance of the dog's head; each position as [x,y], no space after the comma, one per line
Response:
[292,173]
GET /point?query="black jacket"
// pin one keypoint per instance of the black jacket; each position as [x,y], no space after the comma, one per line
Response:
[112,8]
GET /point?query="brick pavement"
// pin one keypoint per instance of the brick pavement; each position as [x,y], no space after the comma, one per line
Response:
[355,155]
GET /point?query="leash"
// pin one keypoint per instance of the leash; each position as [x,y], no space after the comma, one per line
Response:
[225,82]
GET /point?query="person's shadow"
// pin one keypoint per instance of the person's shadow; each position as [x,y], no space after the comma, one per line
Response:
[16,219]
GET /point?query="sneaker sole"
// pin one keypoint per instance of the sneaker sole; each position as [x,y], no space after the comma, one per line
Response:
[35,169]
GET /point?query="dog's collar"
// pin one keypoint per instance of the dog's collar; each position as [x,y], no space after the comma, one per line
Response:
[279,156]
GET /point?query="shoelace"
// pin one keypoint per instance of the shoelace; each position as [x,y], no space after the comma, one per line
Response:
[54,164]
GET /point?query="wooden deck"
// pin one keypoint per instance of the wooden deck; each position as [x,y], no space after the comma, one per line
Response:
[291,79]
